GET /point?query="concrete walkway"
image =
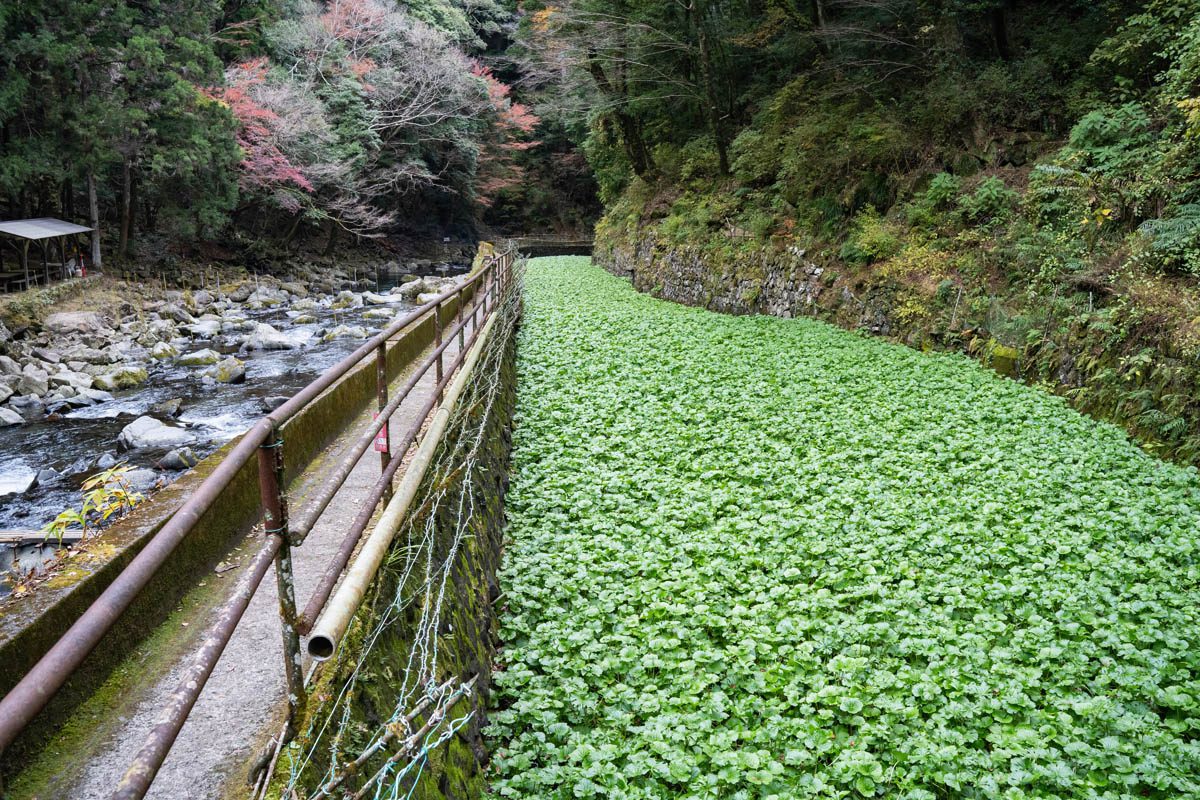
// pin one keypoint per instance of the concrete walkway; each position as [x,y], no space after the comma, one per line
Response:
[241,707]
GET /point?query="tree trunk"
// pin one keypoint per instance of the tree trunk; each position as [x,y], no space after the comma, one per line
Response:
[94,218]
[332,240]
[710,93]
[126,207]
[999,18]
[131,245]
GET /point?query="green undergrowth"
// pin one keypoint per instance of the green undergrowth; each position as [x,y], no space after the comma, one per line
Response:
[751,557]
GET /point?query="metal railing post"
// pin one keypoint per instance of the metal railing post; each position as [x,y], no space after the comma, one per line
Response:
[275,523]
[458,319]
[437,342]
[381,392]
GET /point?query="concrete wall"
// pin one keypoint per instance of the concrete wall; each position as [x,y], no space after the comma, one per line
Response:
[30,625]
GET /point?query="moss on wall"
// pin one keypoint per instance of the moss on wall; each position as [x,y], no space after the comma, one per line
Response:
[466,633]
[1108,362]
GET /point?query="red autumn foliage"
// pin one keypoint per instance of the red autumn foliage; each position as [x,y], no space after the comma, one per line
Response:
[264,167]
[498,169]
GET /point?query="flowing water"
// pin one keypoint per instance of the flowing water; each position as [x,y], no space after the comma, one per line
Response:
[214,414]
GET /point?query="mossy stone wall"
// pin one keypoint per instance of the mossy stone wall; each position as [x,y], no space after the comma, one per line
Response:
[467,633]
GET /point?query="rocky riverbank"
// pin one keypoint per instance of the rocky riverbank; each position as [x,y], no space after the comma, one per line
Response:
[159,378]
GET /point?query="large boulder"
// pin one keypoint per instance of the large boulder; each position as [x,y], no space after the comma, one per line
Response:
[346,332]
[305,304]
[64,322]
[200,358]
[5,334]
[9,417]
[231,370]
[5,392]
[147,433]
[33,381]
[9,367]
[126,376]
[266,337]
[204,328]
[164,350]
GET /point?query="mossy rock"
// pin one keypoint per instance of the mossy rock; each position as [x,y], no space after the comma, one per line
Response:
[1004,359]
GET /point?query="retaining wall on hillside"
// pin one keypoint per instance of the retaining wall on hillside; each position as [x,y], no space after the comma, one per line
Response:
[1079,362]
[358,688]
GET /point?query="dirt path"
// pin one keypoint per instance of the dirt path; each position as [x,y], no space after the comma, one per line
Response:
[241,706]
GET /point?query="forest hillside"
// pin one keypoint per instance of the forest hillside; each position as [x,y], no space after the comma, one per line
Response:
[1015,179]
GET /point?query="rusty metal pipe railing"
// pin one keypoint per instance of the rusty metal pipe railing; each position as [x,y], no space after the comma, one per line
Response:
[137,779]
[47,676]
[307,517]
[141,773]
[334,570]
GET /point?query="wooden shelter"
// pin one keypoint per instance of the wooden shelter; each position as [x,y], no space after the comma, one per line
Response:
[43,230]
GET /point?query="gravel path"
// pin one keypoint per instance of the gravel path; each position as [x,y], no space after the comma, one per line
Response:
[241,706]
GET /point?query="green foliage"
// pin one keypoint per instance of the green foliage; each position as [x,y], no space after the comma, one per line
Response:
[991,203]
[1174,241]
[105,494]
[762,558]
[871,238]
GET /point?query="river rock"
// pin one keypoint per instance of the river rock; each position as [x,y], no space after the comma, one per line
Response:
[269,404]
[67,377]
[126,376]
[231,325]
[164,350]
[33,381]
[168,408]
[19,482]
[95,395]
[88,355]
[49,356]
[9,417]
[305,304]
[266,296]
[177,313]
[47,476]
[413,288]
[142,479]
[106,461]
[149,433]
[178,459]
[202,299]
[345,332]
[231,370]
[200,358]
[379,313]
[305,319]
[75,322]
[204,329]
[9,367]
[6,392]
[5,334]
[347,300]
[266,337]
[427,297]
[379,299]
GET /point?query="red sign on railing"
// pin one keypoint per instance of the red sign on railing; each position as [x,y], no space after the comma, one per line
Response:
[383,439]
